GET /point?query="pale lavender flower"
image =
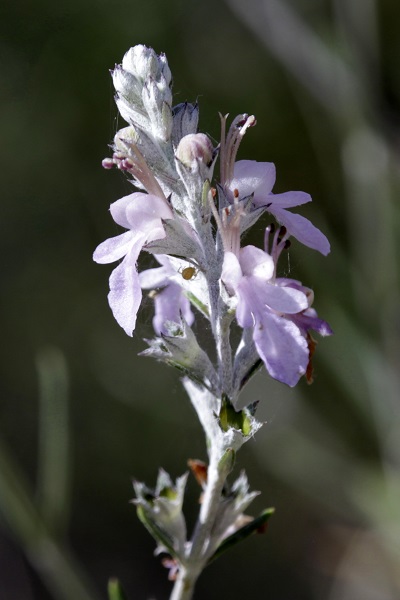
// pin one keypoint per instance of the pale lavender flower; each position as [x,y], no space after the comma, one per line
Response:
[170,302]
[258,178]
[142,215]
[278,310]
[246,178]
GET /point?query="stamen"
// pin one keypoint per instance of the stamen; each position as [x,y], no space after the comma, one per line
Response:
[279,243]
[139,168]
[125,165]
[268,231]
[228,224]
[230,144]
[210,198]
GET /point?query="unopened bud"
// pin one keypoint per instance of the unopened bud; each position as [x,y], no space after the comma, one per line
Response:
[195,147]
[107,163]
[141,62]
[124,138]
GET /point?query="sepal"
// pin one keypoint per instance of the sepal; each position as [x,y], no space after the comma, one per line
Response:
[131,111]
[242,420]
[249,215]
[160,511]
[256,525]
[235,500]
[193,177]
[225,427]
[180,241]
[185,121]
[157,103]
[180,349]
[130,139]
[247,361]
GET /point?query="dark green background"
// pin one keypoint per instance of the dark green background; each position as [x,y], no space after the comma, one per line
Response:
[328,458]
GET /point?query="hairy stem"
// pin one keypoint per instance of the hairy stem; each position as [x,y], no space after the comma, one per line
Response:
[184,584]
[200,549]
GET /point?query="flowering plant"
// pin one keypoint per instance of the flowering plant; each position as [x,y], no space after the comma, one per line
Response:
[193,226]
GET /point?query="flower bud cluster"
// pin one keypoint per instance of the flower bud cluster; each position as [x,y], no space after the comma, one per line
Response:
[143,91]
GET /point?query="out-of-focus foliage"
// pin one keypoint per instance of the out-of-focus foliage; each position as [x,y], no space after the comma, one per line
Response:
[81,414]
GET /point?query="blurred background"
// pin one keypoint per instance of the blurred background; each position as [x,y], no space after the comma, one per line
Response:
[82,414]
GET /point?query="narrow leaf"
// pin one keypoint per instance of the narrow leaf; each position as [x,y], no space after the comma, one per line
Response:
[255,526]
[158,534]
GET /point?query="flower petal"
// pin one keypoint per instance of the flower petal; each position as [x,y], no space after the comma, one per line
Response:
[154,278]
[302,229]
[144,209]
[125,293]
[282,347]
[255,261]
[309,320]
[118,209]
[281,299]
[169,304]
[114,248]
[250,177]
[245,306]
[231,272]
[289,199]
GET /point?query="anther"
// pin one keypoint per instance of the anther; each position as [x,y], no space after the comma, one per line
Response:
[236,193]
[287,245]
[107,163]
[242,121]
[282,231]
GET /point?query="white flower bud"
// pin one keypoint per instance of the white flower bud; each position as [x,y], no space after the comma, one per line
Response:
[195,147]
[124,137]
[141,62]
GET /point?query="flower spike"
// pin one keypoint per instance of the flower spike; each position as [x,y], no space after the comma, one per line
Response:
[204,280]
